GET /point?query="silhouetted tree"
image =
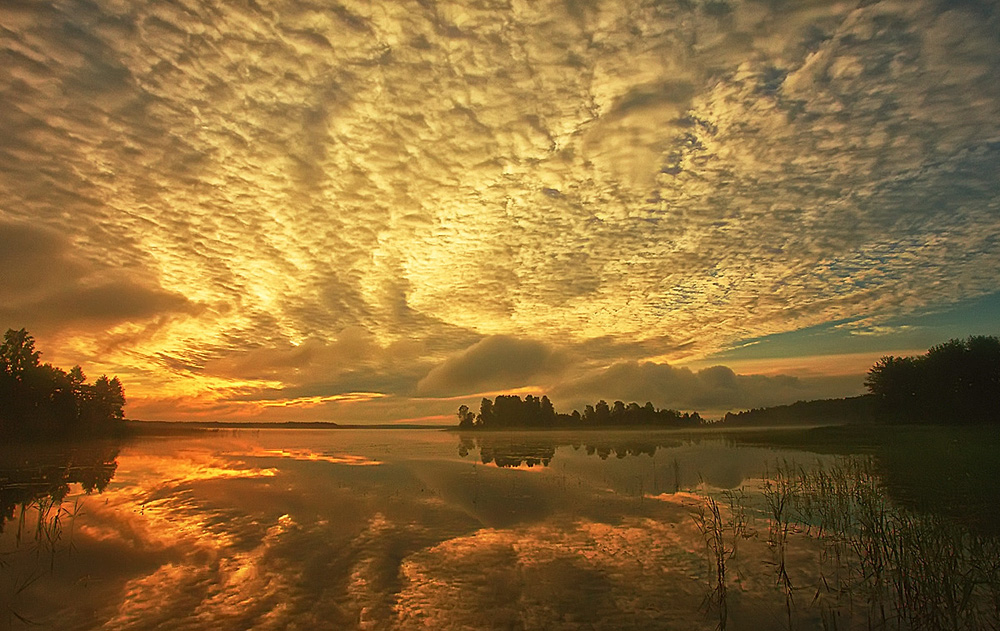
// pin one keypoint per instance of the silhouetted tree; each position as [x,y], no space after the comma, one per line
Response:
[466,418]
[510,411]
[852,410]
[485,418]
[954,382]
[548,412]
[618,413]
[602,413]
[41,400]
[17,353]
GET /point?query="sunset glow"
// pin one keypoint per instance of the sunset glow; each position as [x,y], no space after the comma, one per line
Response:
[378,210]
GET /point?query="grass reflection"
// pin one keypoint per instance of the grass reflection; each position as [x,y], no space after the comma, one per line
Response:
[37,512]
[845,542]
[876,565]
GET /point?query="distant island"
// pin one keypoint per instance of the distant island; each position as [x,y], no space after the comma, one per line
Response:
[955,383]
[511,412]
[41,401]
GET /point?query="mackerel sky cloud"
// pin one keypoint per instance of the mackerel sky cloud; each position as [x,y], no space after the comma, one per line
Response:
[288,209]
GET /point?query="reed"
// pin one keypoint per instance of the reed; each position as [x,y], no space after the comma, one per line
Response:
[45,527]
[709,521]
[780,491]
[880,566]
[722,528]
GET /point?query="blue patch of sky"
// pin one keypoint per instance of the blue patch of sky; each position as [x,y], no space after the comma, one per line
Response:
[979,316]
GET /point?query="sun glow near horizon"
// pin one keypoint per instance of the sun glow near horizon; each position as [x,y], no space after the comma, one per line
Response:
[270,210]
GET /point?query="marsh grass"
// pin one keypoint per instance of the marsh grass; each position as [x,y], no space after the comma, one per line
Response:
[709,521]
[722,528]
[878,566]
[780,492]
[44,530]
[909,570]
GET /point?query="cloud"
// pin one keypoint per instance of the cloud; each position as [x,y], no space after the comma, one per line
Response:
[47,287]
[671,176]
[709,390]
[495,363]
[353,362]
[32,259]
[353,347]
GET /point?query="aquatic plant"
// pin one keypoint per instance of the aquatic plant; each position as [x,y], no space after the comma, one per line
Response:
[880,566]
[45,527]
[722,531]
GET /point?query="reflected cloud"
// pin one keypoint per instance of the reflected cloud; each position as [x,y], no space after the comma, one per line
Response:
[600,575]
[194,467]
[190,533]
[236,586]
[311,456]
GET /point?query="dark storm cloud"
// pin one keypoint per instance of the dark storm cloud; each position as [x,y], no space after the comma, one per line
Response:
[352,364]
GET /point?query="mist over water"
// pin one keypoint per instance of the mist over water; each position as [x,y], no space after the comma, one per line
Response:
[358,529]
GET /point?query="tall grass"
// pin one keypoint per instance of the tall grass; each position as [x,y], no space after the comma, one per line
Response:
[40,536]
[879,566]
[722,531]
[709,521]
[780,492]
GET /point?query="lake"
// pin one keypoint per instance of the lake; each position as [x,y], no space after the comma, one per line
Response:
[407,529]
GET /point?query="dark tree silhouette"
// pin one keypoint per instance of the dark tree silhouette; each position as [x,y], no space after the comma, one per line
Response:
[40,400]
[511,412]
[856,410]
[466,417]
[602,413]
[485,417]
[957,382]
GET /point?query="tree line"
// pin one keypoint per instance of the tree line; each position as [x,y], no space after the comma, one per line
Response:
[957,382]
[847,411]
[42,401]
[510,411]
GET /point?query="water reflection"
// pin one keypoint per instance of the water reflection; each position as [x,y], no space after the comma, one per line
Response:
[508,453]
[30,474]
[952,473]
[394,530]
[511,450]
[874,529]
[40,487]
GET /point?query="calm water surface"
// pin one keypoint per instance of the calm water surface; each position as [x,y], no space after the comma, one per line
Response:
[403,529]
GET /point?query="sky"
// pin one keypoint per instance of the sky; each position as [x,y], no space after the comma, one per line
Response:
[374,211]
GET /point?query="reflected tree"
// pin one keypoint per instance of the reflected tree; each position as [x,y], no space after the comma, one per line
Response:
[33,474]
[539,450]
